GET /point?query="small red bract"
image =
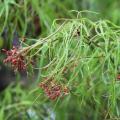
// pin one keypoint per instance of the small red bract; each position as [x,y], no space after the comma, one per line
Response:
[53,90]
[16,60]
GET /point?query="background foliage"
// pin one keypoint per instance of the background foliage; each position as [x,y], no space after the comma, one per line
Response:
[97,95]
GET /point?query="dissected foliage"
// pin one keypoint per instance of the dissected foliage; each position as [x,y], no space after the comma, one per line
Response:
[81,54]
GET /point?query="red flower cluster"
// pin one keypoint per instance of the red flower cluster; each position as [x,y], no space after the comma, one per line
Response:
[17,60]
[53,90]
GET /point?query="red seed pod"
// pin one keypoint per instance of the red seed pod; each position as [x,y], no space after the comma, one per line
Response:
[118,77]
[52,89]
[17,60]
